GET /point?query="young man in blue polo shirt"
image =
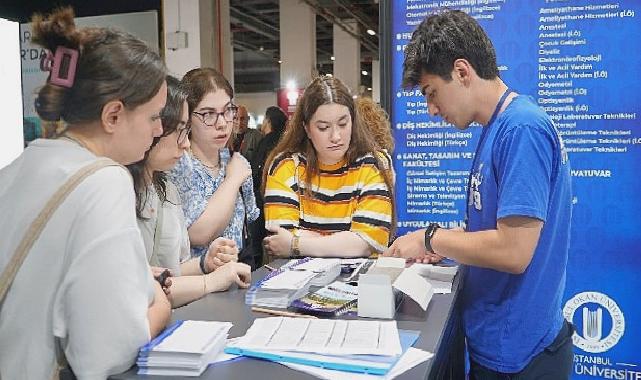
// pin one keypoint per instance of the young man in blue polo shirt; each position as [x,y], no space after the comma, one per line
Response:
[515,246]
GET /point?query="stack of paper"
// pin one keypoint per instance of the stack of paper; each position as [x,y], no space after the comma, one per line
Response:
[279,288]
[326,269]
[347,345]
[183,349]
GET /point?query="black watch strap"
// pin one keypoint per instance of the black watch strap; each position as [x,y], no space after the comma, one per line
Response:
[429,233]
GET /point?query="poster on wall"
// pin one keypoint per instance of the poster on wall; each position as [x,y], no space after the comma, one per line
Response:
[579,60]
[143,25]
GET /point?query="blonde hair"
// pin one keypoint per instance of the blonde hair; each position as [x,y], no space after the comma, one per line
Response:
[375,118]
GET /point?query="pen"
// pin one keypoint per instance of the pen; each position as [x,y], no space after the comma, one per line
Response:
[281,312]
[269,268]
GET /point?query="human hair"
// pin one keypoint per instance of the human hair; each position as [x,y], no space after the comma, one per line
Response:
[277,118]
[441,39]
[199,82]
[112,65]
[377,121]
[170,117]
[326,90]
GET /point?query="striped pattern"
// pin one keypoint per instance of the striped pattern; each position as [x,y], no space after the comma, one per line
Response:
[344,198]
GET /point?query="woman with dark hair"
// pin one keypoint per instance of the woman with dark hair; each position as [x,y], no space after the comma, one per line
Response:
[273,127]
[161,219]
[328,190]
[79,285]
[214,184]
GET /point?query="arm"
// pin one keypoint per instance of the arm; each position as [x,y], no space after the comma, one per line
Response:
[524,175]
[159,312]
[104,299]
[339,244]
[509,248]
[220,207]
[221,251]
[282,204]
[186,289]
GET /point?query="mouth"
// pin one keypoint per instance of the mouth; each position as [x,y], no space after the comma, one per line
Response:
[335,147]
[221,137]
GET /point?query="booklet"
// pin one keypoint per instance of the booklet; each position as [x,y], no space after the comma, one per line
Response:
[331,300]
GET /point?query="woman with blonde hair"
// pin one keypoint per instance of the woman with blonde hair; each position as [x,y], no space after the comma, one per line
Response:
[328,190]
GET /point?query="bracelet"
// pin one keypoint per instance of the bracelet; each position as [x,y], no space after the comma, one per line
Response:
[295,251]
[204,286]
[202,263]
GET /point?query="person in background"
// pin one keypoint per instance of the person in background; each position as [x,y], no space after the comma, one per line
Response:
[273,127]
[328,190]
[375,118]
[214,184]
[377,121]
[515,246]
[161,219]
[246,140]
[85,293]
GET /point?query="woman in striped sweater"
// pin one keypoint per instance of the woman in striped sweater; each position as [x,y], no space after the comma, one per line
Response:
[328,185]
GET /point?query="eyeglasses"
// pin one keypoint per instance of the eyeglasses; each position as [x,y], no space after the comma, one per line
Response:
[210,118]
[183,133]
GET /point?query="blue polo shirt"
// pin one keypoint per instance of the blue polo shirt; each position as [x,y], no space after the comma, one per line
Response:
[520,169]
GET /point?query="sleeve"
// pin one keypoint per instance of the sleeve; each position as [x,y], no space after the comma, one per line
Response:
[193,201]
[523,159]
[247,188]
[282,205]
[101,306]
[372,218]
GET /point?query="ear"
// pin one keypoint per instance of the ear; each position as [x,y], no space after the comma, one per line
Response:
[463,71]
[113,114]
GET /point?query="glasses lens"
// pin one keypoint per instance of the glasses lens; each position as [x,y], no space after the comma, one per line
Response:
[230,113]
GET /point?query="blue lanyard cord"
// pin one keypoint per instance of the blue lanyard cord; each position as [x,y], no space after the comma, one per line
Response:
[478,148]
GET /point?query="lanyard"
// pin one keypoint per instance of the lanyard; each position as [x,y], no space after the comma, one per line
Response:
[478,148]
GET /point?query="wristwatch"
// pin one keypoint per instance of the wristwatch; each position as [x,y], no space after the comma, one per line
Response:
[295,250]
[429,233]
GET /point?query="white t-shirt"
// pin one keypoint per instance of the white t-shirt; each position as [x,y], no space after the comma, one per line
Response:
[173,239]
[86,279]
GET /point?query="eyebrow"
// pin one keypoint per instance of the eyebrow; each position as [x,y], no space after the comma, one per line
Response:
[214,108]
[329,122]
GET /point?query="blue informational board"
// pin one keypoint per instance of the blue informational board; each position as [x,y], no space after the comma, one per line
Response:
[581,61]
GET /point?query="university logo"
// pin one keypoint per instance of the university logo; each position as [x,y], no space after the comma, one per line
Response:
[598,319]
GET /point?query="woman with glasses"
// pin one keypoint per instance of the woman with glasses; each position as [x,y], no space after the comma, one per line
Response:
[215,186]
[161,219]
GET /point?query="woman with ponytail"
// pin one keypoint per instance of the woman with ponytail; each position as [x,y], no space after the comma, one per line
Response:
[76,285]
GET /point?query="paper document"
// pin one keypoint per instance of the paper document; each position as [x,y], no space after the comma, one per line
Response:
[322,336]
[409,360]
[415,286]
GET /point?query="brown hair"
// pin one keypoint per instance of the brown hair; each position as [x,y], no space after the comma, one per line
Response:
[112,66]
[326,90]
[197,83]
[376,120]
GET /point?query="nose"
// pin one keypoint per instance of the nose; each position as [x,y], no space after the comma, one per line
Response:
[335,136]
[221,123]
[185,144]
[432,109]
[157,131]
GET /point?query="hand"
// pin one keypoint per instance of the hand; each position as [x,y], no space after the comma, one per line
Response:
[410,246]
[429,258]
[221,251]
[238,169]
[229,274]
[280,243]
[157,272]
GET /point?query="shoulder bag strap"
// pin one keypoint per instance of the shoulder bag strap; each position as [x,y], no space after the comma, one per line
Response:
[33,232]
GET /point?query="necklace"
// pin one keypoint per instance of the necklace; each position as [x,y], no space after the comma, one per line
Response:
[73,139]
[210,167]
